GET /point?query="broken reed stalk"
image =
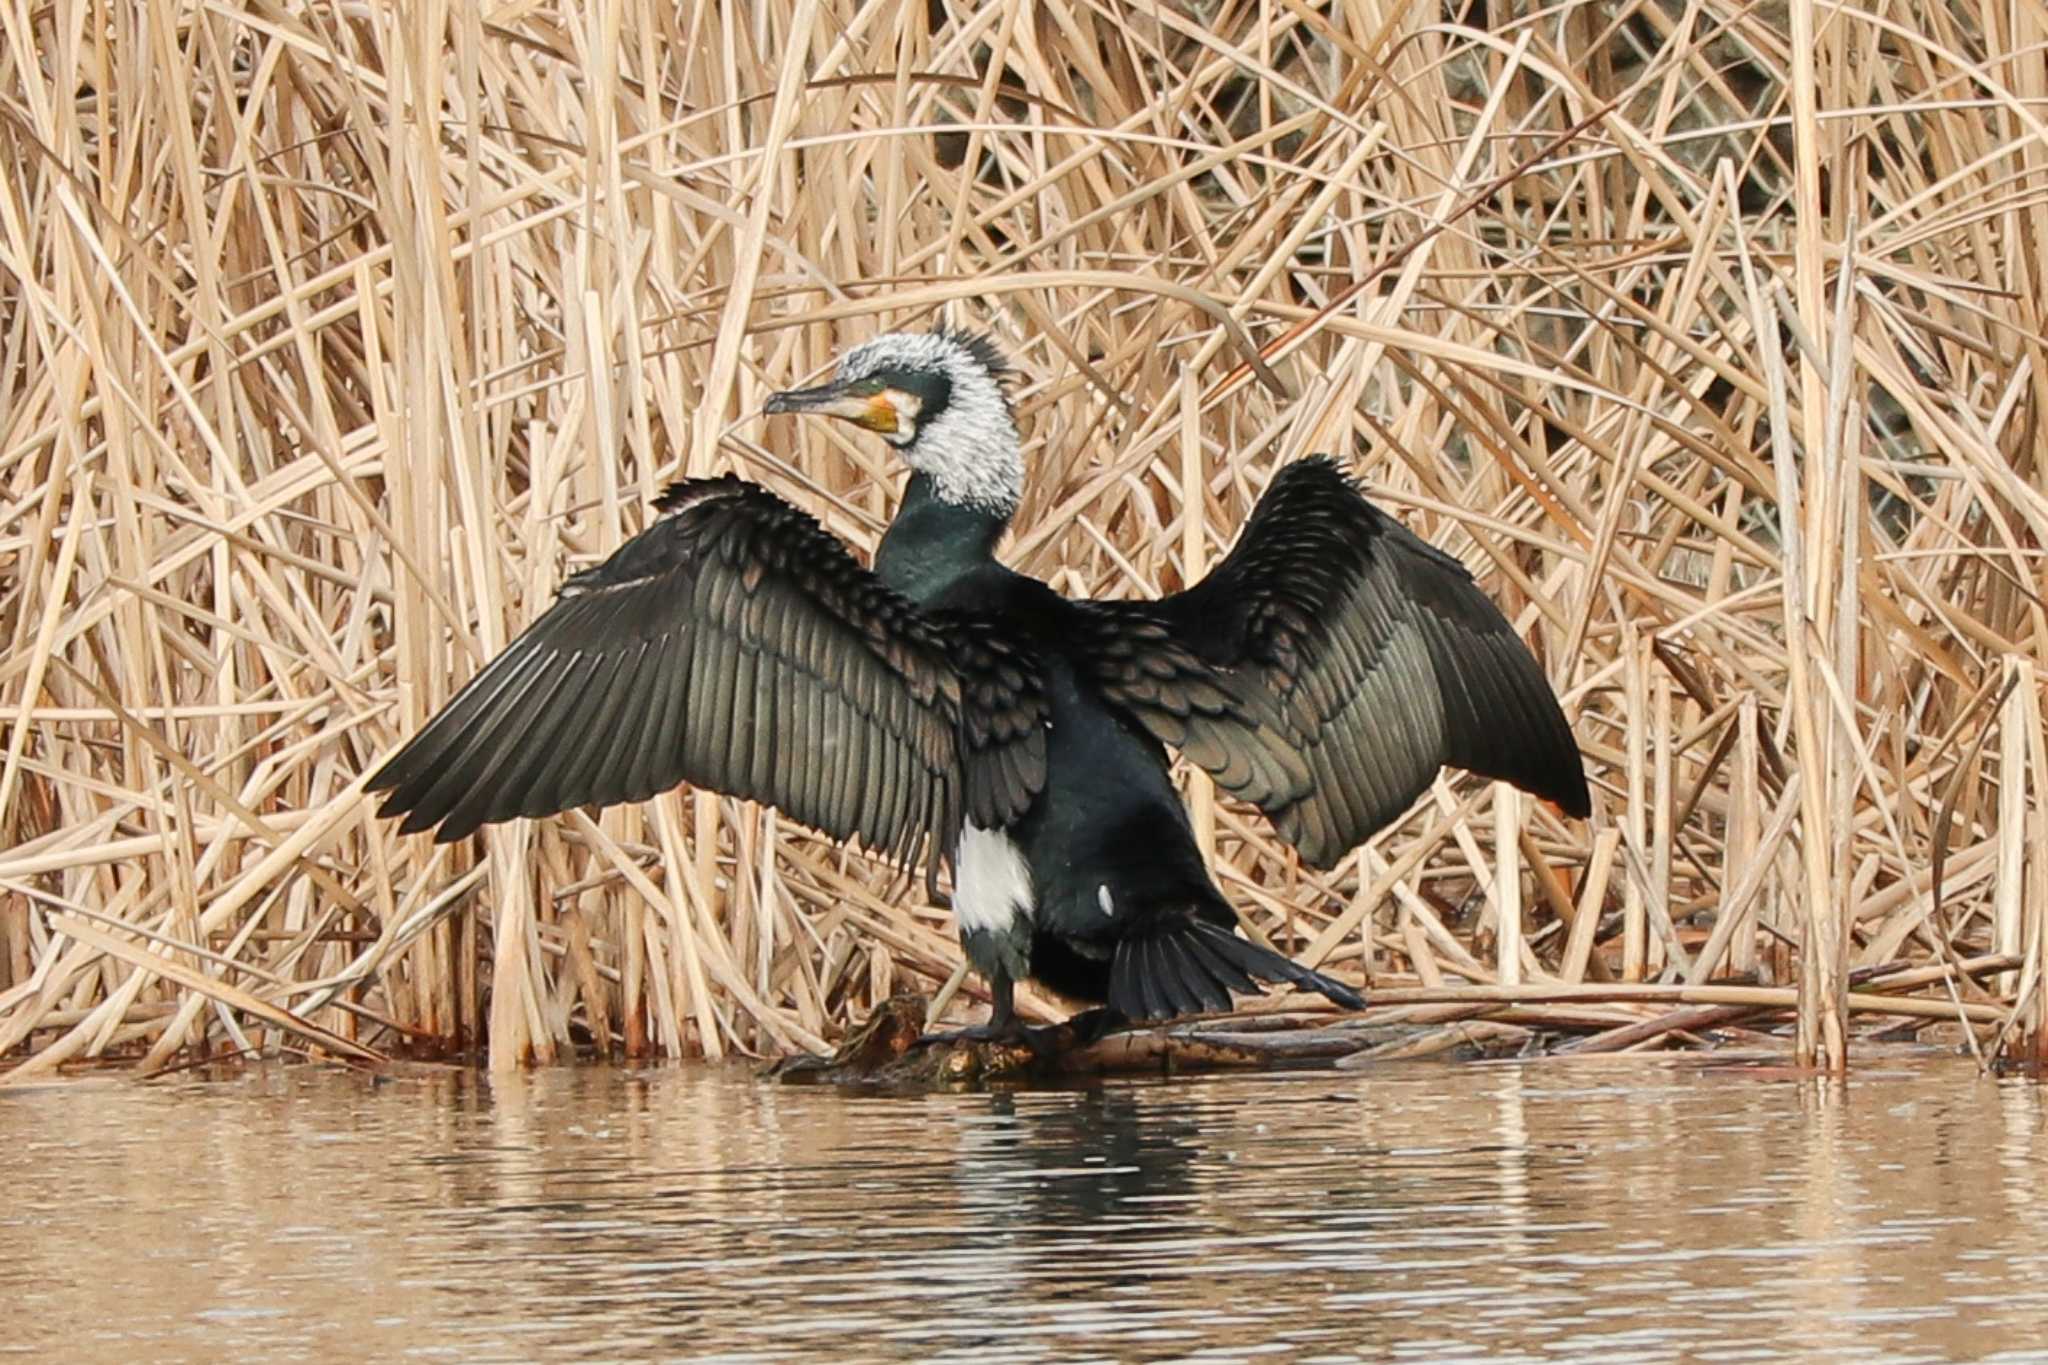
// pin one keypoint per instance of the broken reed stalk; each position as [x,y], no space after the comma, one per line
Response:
[330,351]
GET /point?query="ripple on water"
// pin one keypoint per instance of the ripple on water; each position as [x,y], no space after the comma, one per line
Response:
[1544,1212]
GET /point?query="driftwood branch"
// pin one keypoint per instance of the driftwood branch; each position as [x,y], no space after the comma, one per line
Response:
[1454,1022]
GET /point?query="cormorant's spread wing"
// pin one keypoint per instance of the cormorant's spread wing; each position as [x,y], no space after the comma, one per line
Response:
[1330,664]
[735,644]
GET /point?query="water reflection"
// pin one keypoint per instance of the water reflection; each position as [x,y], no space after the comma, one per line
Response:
[1577,1211]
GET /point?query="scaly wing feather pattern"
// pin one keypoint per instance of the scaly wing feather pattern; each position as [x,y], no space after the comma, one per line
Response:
[736,645]
[1330,664]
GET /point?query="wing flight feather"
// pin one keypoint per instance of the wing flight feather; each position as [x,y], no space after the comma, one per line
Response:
[1330,664]
[736,645]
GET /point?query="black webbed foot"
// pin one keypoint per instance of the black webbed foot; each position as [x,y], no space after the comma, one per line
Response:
[1092,1026]
[1046,1043]
[1010,1030]
[1003,1026]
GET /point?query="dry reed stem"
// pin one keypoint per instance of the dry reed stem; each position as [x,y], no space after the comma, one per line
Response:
[1710,336]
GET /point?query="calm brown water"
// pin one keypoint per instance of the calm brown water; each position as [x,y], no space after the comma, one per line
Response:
[1544,1212]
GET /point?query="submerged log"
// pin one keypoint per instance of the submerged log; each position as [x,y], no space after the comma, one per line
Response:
[1461,1022]
[891,1048]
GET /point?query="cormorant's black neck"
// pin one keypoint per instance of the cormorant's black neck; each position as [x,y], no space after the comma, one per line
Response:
[933,543]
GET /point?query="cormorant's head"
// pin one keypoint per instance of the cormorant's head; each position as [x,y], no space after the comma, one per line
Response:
[939,397]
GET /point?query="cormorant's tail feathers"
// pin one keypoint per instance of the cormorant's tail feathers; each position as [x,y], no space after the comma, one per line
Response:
[1190,966]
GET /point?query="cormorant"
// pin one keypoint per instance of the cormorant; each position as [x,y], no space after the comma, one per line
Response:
[947,706]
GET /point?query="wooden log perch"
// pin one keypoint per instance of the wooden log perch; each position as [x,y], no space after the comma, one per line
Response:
[1450,1022]
[890,1049]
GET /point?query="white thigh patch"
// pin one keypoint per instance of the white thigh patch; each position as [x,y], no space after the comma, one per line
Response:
[991,885]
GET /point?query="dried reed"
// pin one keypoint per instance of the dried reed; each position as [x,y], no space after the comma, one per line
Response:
[1710,335]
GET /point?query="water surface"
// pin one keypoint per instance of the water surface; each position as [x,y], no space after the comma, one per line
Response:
[1538,1212]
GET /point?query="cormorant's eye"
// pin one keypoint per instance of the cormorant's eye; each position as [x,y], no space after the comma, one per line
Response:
[866,388]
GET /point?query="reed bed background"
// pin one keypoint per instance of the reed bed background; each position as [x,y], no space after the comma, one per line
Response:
[1710,334]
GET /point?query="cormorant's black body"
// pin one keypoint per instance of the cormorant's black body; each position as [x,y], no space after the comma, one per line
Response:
[1108,826]
[944,704]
